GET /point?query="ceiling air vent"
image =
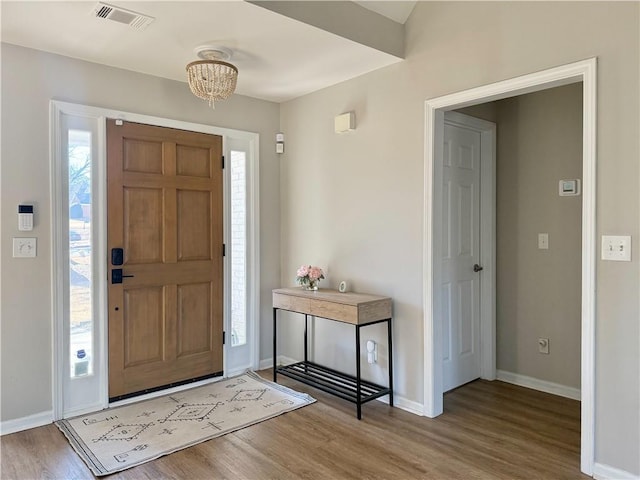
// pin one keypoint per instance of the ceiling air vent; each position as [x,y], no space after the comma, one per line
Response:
[122,15]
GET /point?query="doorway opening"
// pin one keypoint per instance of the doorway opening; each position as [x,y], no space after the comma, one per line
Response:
[537,239]
[580,72]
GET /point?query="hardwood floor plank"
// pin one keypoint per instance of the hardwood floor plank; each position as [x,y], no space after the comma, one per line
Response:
[490,430]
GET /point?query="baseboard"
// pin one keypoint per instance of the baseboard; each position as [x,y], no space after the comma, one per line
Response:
[266,363]
[404,404]
[606,472]
[282,360]
[537,384]
[25,423]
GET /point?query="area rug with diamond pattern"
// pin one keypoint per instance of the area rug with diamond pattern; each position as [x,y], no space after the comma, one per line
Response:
[119,438]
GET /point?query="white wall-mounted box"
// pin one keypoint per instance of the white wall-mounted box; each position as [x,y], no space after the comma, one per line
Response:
[345,122]
[569,188]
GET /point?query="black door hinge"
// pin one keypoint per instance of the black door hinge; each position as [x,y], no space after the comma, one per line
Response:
[224,337]
[223,162]
[224,249]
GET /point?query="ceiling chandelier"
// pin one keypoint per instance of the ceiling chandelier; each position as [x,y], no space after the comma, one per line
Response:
[212,78]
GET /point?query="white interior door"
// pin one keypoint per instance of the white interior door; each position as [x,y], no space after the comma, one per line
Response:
[460,253]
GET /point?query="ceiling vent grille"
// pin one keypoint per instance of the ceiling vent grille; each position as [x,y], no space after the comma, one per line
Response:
[122,15]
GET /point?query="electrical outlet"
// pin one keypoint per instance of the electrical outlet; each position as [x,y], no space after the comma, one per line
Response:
[543,346]
[543,241]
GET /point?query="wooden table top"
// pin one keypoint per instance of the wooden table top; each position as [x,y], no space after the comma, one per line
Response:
[349,307]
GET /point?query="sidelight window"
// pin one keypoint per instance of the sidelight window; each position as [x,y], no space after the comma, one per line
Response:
[80,253]
[238,248]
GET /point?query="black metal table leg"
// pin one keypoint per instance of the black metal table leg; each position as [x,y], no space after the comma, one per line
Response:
[358,379]
[306,359]
[389,335]
[275,341]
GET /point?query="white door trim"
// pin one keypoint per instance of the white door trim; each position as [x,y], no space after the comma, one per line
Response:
[487,131]
[59,108]
[583,71]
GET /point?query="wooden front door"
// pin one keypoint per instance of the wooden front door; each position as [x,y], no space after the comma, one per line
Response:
[165,207]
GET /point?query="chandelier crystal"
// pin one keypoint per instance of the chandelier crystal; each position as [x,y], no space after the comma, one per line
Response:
[212,78]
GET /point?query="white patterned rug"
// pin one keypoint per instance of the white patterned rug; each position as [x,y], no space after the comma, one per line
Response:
[119,438]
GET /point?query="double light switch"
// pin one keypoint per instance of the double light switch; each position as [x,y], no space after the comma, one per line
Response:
[616,248]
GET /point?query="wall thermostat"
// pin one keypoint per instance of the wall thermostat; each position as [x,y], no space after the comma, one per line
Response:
[342,287]
[569,188]
[25,218]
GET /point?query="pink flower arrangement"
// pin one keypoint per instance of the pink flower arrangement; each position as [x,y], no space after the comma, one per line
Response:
[308,276]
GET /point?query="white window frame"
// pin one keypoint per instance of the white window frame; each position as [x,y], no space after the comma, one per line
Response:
[252,260]
[99,242]
[62,384]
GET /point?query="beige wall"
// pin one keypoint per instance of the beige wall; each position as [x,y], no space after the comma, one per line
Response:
[538,295]
[354,203]
[539,291]
[29,80]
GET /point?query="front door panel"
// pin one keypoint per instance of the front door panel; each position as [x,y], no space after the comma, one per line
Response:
[165,210]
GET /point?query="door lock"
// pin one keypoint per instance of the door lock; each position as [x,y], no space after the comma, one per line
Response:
[117,256]
[117,276]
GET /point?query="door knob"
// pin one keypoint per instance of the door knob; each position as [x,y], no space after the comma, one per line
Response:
[477,268]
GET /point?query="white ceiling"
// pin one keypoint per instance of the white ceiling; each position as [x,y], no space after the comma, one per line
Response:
[278,58]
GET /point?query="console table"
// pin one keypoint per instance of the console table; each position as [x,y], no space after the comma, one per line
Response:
[358,309]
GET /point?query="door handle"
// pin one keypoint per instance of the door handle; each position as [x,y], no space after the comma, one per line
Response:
[477,268]
[117,276]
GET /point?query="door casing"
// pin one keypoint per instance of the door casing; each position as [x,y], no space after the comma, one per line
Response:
[583,71]
[249,139]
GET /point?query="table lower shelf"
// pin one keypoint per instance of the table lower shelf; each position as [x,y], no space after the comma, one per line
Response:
[334,382]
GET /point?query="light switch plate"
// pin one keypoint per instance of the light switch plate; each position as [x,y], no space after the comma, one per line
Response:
[616,248]
[24,247]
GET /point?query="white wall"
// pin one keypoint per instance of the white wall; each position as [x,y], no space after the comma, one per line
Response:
[353,203]
[30,79]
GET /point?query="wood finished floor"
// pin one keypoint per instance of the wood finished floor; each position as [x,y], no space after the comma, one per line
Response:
[490,430]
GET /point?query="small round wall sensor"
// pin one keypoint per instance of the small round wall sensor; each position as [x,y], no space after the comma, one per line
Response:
[343,287]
